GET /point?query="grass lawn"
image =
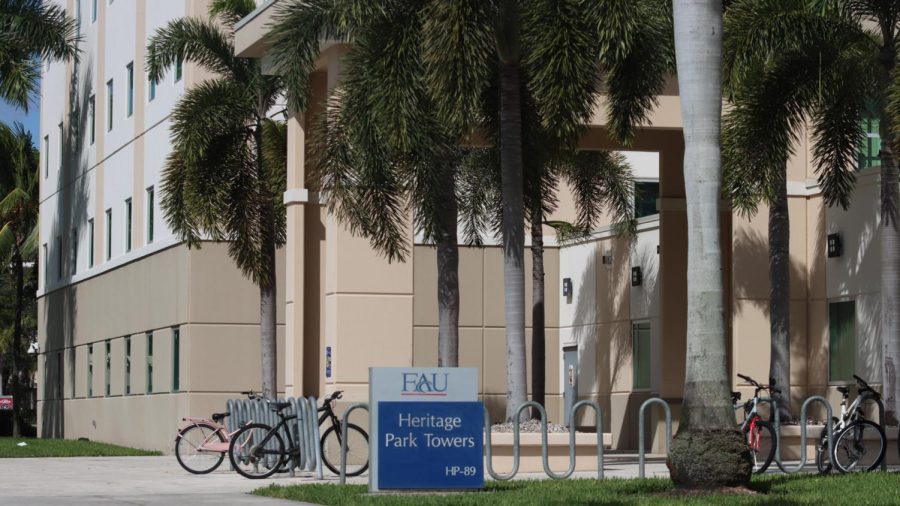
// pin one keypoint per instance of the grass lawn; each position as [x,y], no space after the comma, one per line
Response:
[64,448]
[855,489]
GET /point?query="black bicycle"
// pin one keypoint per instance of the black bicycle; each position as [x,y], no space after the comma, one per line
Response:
[257,450]
[357,441]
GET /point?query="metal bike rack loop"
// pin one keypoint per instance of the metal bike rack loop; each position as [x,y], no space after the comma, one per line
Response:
[829,427]
[545,457]
[668,411]
[304,430]
[344,424]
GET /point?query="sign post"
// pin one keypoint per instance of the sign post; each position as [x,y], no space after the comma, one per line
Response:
[427,426]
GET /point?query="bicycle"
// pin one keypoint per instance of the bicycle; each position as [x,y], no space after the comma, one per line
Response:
[754,428]
[201,445]
[851,431]
[357,441]
[257,450]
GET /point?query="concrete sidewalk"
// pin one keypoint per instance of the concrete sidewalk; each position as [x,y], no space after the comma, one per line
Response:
[161,481]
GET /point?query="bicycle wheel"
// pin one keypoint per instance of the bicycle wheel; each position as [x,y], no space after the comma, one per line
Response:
[762,444]
[190,452]
[859,447]
[823,460]
[256,451]
[357,450]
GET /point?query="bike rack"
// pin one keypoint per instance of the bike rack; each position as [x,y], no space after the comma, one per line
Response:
[545,457]
[344,424]
[829,427]
[304,429]
[668,411]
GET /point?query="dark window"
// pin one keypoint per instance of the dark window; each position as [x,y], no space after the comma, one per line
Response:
[645,195]
[841,341]
[641,355]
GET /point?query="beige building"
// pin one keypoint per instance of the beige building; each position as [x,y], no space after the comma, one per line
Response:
[621,329]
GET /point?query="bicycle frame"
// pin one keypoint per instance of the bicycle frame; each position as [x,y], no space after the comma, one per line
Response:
[290,450]
[210,443]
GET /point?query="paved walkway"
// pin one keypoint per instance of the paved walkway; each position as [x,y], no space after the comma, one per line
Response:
[161,481]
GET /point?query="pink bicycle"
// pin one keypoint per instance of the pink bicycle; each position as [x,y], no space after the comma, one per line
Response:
[201,444]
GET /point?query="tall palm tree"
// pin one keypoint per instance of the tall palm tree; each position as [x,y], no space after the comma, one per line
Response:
[18,242]
[555,49]
[31,31]
[217,183]
[775,88]
[707,451]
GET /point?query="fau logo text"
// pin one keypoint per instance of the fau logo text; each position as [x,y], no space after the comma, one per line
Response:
[434,384]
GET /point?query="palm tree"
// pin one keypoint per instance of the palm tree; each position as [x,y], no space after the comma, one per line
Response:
[707,451]
[775,88]
[217,181]
[555,49]
[18,241]
[31,31]
[840,32]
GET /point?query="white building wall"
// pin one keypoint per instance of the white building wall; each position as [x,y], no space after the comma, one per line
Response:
[856,274]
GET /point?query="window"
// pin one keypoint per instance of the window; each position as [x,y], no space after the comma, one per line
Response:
[46,156]
[74,242]
[130,98]
[108,369]
[90,370]
[93,10]
[109,105]
[641,355]
[59,257]
[72,372]
[60,376]
[108,234]
[150,205]
[127,365]
[92,112]
[149,362]
[178,70]
[870,146]
[46,264]
[60,150]
[151,90]
[90,243]
[127,225]
[645,195]
[176,359]
[841,341]
[78,14]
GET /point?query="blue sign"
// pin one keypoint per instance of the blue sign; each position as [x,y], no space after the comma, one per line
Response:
[430,445]
[328,361]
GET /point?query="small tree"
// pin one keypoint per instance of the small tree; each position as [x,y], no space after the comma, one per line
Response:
[218,182]
[18,245]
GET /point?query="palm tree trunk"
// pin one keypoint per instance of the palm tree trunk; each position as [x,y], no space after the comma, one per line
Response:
[779,298]
[707,451]
[513,213]
[267,283]
[538,338]
[448,279]
[17,374]
[890,240]
[890,276]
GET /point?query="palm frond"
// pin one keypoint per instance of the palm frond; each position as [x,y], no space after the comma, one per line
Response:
[38,28]
[562,63]
[211,109]
[231,11]
[600,181]
[637,66]
[458,54]
[199,41]
[478,193]
[19,78]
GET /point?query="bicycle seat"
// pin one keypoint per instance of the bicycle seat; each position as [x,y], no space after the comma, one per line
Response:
[279,406]
[735,396]
[218,417]
[844,390]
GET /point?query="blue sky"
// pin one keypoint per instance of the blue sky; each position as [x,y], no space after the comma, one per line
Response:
[10,114]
